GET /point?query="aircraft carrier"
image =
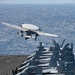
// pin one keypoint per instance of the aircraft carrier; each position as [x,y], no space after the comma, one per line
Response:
[55,60]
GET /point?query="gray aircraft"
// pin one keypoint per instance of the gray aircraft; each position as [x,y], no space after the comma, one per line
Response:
[29,31]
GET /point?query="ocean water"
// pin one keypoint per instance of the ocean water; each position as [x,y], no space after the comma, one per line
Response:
[55,19]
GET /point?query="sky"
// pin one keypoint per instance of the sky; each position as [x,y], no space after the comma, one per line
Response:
[36,1]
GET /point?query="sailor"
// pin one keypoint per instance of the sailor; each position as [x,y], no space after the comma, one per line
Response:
[13,72]
[16,70]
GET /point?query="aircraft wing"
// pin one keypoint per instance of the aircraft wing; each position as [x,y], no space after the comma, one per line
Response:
[24,29]
[46,34]
[15,27]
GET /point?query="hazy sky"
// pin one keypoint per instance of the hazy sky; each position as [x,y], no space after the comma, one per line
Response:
[36,1]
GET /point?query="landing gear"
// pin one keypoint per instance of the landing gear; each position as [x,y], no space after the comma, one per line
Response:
[36,36]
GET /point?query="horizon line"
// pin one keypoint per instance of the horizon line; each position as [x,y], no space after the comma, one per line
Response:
[37,3]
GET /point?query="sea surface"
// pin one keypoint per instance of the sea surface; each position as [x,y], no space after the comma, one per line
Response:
[55,19]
